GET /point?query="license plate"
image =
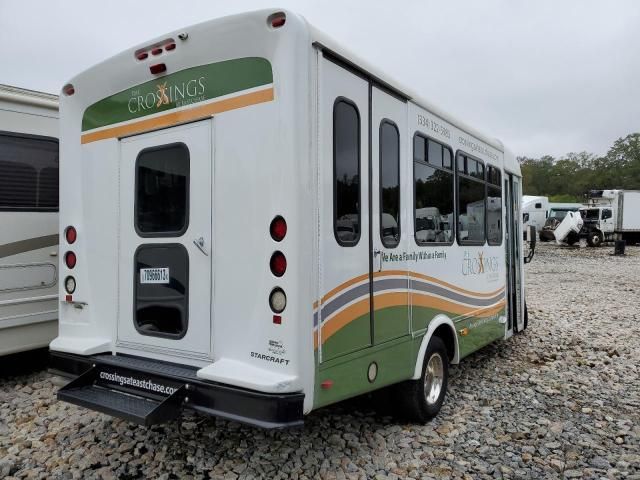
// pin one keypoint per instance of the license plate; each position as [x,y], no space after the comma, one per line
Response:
[154,275]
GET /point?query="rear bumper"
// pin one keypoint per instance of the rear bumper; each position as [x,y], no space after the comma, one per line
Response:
[152,379]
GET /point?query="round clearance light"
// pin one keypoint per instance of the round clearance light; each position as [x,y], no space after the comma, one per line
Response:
[70,235]
[277,300]
[70,285]
[278,264]
[278,228]
[70,259]
[68,90]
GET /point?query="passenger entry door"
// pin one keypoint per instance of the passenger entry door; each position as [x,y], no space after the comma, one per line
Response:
[165,241]
[513,250]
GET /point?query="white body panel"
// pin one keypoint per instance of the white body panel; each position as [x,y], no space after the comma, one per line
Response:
[630,220]
[28,238]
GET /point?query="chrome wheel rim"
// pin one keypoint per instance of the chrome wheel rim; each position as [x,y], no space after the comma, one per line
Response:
[433,379]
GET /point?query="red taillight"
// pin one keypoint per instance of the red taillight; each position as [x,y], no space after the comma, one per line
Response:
[156,51]
[158,68]
[278,228]
[71,235]
[68,89]
[278,264]
[277,19]
[170,47]
[142,56]
[70,259]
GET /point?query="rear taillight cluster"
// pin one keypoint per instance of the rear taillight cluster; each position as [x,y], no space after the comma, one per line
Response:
[278,265]
[165,46]
[70,260]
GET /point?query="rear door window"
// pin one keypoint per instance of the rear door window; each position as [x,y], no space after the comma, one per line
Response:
[162,191]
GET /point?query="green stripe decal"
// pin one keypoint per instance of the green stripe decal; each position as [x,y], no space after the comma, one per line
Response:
[190,86]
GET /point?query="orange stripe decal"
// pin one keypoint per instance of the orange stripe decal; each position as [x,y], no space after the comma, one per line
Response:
[393,299]
[183,116]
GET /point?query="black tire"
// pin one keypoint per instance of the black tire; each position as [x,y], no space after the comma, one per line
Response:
[542,238]
[412,398]
[526,316]
[595,238]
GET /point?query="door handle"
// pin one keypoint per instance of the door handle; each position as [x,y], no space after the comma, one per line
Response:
[199,242]
[378,253]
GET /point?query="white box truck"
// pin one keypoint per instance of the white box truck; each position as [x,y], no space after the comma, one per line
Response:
[611,215]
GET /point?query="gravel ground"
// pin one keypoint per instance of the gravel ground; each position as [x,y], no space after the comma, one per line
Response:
[560,401]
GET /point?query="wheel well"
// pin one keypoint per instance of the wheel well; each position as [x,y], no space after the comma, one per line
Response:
[445,334]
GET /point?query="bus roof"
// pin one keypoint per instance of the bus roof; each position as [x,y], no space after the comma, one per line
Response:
[28,97]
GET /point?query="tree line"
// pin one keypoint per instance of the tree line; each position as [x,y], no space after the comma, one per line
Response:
[569,178]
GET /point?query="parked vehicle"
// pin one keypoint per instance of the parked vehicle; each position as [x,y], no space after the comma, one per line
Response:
[28,219]
[611,215]
[557,212]
[534,211]
[248,230]
[568,230]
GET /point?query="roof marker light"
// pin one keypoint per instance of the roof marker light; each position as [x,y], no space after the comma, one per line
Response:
[158,68]
[277,19]
[68,90]
[156,51]
[171,46]
[142,55]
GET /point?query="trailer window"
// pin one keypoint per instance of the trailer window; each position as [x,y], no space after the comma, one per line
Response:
[389,184]
[433,192]
[494,206]
[346,172]
[28,173]
[162,191]
[471,201]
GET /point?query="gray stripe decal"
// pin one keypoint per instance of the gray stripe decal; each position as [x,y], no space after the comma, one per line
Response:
[457,297]
[22,246]
[397,284]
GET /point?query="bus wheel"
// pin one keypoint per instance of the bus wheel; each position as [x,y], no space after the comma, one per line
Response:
[595,238]
[423,398]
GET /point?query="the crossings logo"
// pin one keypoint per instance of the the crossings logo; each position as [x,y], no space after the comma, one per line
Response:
[479,264]
[175,95]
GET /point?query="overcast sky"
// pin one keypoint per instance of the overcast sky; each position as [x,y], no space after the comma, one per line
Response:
[544,76]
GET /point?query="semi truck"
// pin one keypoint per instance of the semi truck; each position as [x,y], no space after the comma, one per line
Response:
[611,215]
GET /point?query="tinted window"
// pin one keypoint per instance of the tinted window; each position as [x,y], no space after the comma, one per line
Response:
[433,195]
[389,184]
[494,206]
[162,190]
[28,173]
[346,161]
[471,201]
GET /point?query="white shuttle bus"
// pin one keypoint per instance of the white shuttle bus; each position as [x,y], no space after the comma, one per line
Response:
[264,225]
[28,219]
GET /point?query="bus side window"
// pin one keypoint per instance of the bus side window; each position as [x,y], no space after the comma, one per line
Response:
[494,206]
[433,192]
[28,173]
[389,184]
[471,201]
[346,172]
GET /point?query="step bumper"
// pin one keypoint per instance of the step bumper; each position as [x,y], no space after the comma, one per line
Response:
[148,392]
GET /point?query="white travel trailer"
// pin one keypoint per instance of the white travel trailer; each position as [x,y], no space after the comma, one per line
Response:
[28,219]
[231,257]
